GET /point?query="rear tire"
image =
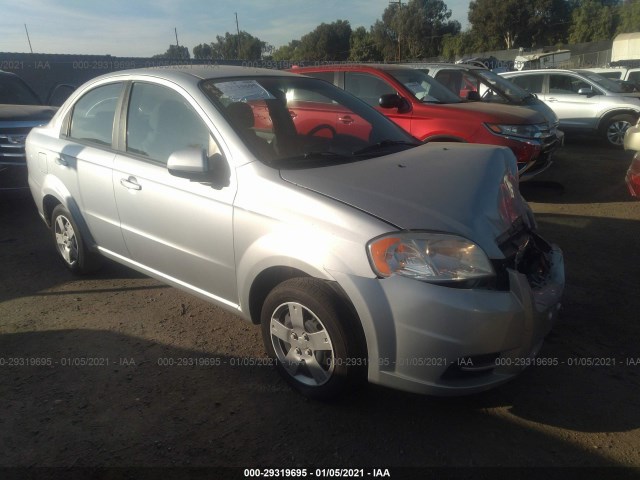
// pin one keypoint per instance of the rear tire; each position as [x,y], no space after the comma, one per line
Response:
[615,127]
[312,337]
[69,243]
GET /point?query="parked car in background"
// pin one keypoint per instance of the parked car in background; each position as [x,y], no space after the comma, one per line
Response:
[627,78]
[584,101]
[362,253]
[535,61]
[632,142]
[476,83]
[20,111]
[430,112]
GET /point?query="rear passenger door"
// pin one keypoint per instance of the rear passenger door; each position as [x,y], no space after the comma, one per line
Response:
[86,156]
[309,110]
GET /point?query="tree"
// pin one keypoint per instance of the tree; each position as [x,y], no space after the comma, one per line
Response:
[629,17]
[592,21]
[288,52]
[203,51]
[362,47]
[328,42]
[175,52]
[511,23]
[549,22]
[413,30]
[244,46]
[455,46]
[232,46]
[498,22]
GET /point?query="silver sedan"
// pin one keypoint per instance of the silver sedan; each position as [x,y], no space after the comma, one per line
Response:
[361,252]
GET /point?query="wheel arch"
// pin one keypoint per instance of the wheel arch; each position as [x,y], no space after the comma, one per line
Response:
[609,115]
[266,281]
[52,199]
[269,278]
[443,138]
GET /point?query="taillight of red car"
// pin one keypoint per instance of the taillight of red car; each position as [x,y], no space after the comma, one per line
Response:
[633,176]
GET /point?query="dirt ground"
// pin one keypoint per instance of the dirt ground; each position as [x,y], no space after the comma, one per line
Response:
[128,408]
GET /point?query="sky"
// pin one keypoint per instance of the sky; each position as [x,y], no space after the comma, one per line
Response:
[142,28]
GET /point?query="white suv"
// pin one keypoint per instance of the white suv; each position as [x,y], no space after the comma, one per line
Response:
[584,101]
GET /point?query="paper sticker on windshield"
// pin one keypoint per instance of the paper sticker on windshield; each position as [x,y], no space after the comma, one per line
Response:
[244,90]
[415,87]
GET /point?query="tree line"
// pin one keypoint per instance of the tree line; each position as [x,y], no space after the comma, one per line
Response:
[419,29]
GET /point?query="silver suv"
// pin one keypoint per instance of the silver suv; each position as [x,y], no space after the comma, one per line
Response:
[584,101]
[360,251]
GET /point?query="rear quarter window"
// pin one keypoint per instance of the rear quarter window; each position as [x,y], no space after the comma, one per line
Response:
[93,114]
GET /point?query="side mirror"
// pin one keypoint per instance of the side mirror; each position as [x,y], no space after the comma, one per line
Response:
[473,96]
[588,91]
[193,164]
[390,100]
[393,100]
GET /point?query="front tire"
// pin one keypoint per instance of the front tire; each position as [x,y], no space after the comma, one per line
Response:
[70,245]
[615,128]
[313,338]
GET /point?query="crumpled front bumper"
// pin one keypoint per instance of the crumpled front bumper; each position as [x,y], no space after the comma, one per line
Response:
[439,340]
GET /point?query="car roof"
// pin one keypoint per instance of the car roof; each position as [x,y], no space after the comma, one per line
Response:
[546,70]
[457,66]
[199,72]
[352,66]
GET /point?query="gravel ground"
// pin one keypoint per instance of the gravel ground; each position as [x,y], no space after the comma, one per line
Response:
[127,408]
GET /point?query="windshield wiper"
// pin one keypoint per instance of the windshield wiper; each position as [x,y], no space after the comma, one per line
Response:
[309,157]
[383,145]
[321,154]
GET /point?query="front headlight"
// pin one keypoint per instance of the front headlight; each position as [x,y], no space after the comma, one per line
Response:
[522,131]
[431,257]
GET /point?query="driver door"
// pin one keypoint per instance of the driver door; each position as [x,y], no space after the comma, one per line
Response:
[179,229]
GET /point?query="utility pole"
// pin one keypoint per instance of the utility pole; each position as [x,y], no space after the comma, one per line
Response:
[28,39]
[176,30]
[238,42]
[399,3]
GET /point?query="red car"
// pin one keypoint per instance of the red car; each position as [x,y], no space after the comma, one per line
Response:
[430,112]
[632,142]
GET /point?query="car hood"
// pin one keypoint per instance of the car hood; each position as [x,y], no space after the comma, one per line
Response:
[25,113]
[499,113]
[469,190]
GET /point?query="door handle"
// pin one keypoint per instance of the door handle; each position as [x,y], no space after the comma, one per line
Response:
[293,114]
[130,183]
[347,120]
[61,161]
[552,99]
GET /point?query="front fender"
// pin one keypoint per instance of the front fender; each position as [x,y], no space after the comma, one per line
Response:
[307,250]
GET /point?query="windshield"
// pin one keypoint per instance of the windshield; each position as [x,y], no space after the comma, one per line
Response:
[502,86]
[296,121]
[423,87]
[13,91]
[603,82]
